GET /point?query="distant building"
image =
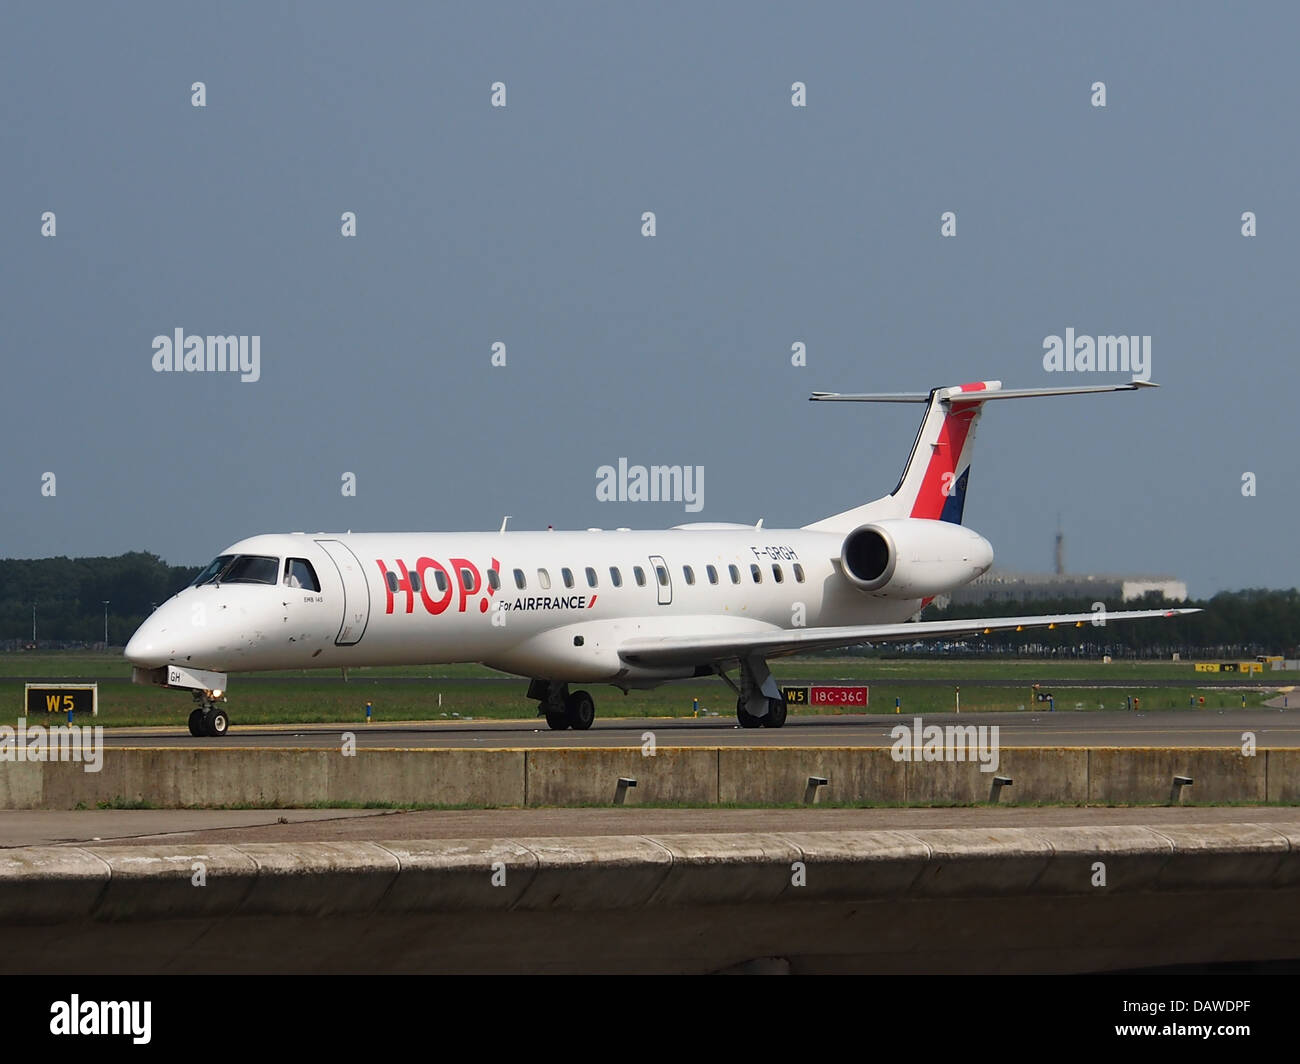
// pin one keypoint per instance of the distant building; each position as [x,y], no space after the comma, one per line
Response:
[1004,585]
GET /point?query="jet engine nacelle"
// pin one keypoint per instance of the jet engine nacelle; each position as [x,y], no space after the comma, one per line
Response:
[909,558]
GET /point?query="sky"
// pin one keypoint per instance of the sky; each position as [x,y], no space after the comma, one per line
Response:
[523,225]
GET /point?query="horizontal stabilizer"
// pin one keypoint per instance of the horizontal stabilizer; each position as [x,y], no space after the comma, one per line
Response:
[981,392]
[935,480]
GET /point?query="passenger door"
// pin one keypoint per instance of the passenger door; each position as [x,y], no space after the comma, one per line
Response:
[356,593]
[663,579]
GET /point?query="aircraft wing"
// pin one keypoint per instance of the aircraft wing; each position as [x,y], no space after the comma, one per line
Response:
[695,650]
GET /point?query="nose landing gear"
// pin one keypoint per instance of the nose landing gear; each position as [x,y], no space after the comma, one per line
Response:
[207,688]
[208,718]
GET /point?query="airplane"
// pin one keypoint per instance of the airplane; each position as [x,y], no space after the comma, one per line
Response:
[631,609]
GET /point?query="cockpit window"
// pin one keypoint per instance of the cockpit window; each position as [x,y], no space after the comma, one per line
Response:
[251,569]
[299,573]
[210,574]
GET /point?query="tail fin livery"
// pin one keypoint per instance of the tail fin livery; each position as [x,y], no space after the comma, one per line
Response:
[934,481]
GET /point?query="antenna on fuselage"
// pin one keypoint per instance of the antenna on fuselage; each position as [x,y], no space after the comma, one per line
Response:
[503,522]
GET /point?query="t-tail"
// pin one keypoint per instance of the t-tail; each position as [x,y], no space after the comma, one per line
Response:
[934,481]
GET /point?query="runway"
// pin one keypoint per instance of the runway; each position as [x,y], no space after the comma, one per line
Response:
[1272,728]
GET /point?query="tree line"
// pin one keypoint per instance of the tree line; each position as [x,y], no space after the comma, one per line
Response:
[1231,625]
[66,596]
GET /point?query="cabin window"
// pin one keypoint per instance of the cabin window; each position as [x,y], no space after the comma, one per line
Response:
[391,578]
[756,573]
[544,579]
[520,582]
[440,579]
[567,575]
[735,574]
[615,577]
[689,573]
[713,574]
[591,576]
[639,573]
[798,572]
[662,573]
[414,578]
[493,579]
[467,581]
[299,573]
[777,575]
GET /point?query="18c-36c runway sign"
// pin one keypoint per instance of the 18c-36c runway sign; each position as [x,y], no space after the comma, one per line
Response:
[41,698]
[827,696]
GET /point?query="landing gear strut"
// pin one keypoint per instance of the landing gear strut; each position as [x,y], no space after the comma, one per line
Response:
[761,703]
[208,718]
[562,709]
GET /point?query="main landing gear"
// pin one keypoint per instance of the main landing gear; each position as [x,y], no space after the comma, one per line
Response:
[774,718]
[562,708]
[208,718]
[761,704]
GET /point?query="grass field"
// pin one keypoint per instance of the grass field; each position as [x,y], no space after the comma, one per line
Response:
[445,692]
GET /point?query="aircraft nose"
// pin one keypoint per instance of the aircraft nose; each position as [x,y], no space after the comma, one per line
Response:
[145,648]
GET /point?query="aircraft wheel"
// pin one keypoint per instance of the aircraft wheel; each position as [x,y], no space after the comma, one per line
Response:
[776,713]
[557,721]
[746,718]
[196,723]
[217,723]
[580,709]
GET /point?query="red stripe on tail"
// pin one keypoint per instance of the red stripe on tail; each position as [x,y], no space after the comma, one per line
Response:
[944,459]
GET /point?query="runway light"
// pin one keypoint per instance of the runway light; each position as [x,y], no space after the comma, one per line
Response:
[624,782]
[815,784]
[1176,792]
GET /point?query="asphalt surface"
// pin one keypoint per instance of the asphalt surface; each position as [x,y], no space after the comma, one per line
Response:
[210,826]
[1273,728]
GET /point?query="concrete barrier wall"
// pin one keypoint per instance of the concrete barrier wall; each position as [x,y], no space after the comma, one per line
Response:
[1117,776]
[213,776]
[1283,768]
[1007,899]
[589,776]
[780,774]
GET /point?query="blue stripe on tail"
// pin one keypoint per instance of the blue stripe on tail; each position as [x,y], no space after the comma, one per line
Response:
[955,504]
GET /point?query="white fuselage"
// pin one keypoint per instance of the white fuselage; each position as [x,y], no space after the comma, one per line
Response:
[430,598]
